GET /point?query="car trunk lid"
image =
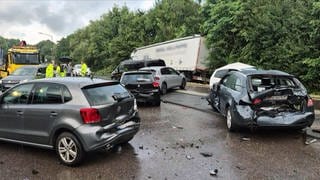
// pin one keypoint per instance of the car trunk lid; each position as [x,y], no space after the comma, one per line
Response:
[280,95]
[113,102]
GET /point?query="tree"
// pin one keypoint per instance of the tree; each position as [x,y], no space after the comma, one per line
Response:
[268,35]
[46,50]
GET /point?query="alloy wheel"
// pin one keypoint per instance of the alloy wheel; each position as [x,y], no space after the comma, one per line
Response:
[67,149]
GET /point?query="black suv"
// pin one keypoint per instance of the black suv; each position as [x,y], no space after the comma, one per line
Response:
[134,65]
[142,85]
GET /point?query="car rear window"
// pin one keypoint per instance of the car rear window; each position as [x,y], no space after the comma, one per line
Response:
[262,83]
[155,63]
[136,77]
[107,94]
[132,66]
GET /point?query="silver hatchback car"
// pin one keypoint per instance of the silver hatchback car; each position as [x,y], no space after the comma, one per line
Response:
[71,115]
[167,77]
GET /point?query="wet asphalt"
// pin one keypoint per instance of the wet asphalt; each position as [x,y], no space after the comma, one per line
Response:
[182,139]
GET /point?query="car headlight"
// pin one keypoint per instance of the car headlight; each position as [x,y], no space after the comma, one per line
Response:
[0,81]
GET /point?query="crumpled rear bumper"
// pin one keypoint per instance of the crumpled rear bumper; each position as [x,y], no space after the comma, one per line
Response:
[97,137]
[296,119]
[246,117]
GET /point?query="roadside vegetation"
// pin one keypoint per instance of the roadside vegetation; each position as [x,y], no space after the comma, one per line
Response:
[283,35]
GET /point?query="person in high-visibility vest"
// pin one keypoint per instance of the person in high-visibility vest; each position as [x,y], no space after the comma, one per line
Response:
[49,70]
[58,70]
[64,71]
[83,69]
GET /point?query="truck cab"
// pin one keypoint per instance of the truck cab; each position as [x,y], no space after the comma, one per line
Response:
[18,56]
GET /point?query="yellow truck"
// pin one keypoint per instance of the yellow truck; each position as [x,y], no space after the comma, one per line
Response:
[18,56]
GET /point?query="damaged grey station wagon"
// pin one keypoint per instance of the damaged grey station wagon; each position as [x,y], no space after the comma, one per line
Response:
[262,98]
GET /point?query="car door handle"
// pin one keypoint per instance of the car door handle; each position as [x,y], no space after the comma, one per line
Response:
[19,113]
[53,114]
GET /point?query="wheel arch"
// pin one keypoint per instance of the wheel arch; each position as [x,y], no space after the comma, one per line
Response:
[61,130]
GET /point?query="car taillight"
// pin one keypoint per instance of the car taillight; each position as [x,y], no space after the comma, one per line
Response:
[90,115]
[256,101]
[310,102]
[156,78]
[155,84]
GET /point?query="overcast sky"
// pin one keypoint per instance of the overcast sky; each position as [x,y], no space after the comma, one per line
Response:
[37,20]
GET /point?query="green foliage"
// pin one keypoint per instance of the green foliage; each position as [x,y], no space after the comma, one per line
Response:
[46,50]
[6,44]
[112,38]
[268,35]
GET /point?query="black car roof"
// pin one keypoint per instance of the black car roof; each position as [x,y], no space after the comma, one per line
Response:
[137,72]
[250,72]
[76,81]
[131,61]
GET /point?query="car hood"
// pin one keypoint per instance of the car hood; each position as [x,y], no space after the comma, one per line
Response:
[17,78]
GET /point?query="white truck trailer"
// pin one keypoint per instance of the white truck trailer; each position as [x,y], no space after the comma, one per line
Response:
[187,55]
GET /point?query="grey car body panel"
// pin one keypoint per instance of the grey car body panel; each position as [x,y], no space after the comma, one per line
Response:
[38,124]
[240,105]
[11,121]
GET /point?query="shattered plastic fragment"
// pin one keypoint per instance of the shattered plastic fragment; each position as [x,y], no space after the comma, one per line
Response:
[245,139]
[214,172]
[310,141]
[206,154]
[34,172]
[189,157]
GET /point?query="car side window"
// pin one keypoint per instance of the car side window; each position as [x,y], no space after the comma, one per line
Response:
[238,85]
[18,95]
[233,82]
[66,94]
[51,94]
[228,81]
[165,71]
[172,71]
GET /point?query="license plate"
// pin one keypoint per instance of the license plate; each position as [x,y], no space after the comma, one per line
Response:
[277,98]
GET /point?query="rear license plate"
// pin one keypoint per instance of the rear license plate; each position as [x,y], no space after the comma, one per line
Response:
[277,98]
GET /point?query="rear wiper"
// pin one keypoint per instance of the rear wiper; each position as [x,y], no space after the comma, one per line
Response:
[120,96]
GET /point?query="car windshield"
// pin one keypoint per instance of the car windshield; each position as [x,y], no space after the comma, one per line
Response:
[136,77]
[20,58]
[77,66]
[262,83]
[25,71]
[100,95]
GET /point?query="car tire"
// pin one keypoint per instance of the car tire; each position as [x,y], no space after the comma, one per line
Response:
[230,121]
[69,149]
[164,88]
[157,101]
[183,84]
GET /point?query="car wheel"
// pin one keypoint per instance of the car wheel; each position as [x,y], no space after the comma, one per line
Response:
[157,101]
[183,84]
[164,88]
[230,121]
[69,149]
